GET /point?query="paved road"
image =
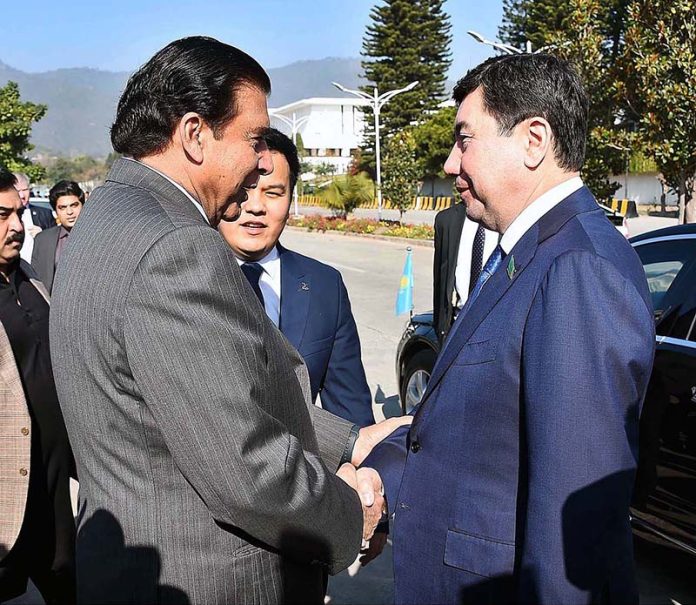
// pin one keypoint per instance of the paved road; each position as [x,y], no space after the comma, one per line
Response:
[371,270]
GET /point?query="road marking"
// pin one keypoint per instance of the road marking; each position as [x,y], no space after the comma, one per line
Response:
[346,267]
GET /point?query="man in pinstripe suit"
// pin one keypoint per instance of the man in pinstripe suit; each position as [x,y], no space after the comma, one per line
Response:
[206,474]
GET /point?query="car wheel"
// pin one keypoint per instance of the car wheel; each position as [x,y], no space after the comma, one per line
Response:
[415,380]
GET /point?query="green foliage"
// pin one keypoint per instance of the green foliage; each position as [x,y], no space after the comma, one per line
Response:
[16,118]
[406,40]
[347,192]
[401,172]
[81,168]
[363,226]
[660,85]
[433,140]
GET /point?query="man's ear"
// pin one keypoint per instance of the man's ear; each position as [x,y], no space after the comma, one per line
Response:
[189,132]
[538,141]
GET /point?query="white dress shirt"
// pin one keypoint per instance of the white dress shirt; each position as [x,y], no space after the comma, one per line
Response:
[538,208]
[462,273]
[28,245]
[195,202]
[269,282]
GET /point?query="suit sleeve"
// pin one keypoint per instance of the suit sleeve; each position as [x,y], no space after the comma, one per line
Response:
[189,305]
[344,390]
[586,361]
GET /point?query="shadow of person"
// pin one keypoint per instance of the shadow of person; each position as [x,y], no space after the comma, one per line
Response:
[391,406]
[597,540]
[131,574]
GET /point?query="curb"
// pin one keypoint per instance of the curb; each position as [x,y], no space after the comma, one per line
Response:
[424,243]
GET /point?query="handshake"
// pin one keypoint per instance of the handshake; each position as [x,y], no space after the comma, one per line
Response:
[368,484]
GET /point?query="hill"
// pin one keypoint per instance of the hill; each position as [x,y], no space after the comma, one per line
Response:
[82,101]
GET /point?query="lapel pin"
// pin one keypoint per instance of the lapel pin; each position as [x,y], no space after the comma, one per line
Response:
[511,269]
[304,286]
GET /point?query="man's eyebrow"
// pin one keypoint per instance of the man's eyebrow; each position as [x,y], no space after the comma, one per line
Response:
[280,186]
[461,124]
[5,209]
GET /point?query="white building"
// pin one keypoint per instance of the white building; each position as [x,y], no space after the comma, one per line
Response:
[331,128]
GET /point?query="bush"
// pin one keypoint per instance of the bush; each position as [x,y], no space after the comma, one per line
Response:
[362,225]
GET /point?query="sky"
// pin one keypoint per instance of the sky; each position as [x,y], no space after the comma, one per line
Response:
[120,36]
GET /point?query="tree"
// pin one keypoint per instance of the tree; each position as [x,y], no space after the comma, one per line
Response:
[401,172]
[16,118]
[407,40]
[347,192]
[533,21]
[433,140]
[660,65]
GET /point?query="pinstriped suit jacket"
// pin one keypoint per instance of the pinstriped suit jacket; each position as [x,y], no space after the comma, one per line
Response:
[206,474]
[15,439]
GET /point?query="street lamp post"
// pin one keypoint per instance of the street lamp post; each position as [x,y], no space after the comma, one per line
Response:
[513,50]
[377,101]
[295,124]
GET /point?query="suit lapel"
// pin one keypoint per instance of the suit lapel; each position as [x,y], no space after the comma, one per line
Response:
[295,292]
[499,283]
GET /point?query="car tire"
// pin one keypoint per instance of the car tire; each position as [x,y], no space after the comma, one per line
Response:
[415,378]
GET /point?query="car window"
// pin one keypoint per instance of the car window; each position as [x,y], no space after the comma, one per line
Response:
[662,262]
[685,324]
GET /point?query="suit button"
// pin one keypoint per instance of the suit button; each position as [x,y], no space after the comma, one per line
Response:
[415,447]
[25,431]
[23,472]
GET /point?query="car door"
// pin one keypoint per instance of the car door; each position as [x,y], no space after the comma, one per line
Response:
[665,492]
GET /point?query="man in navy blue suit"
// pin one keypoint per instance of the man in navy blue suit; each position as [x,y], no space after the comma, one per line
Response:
[306,299]
[513,483]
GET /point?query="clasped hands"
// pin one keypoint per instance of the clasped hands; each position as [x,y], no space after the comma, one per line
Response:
[367,482]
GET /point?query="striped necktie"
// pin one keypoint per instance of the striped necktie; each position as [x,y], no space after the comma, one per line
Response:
[492,265]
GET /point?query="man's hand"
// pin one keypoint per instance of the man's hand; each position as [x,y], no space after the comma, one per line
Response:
[367,483]
[370,436]
[34,230]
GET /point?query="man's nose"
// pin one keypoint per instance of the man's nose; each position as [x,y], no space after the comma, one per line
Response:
[16,223]
[254,202]
[452,165]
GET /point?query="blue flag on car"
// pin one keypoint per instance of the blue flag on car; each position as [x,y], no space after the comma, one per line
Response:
[404,299]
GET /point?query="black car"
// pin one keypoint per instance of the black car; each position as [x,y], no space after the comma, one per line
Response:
[665,491]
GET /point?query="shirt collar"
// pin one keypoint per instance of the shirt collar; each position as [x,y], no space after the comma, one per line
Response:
[269,263]
[195,202]
[63,232]
[538,208]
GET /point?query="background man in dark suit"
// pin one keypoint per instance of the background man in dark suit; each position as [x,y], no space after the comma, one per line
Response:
[206,474]
[35,219]
[462,247]
[66,198]
[306,299]
[529,425]
[37,531]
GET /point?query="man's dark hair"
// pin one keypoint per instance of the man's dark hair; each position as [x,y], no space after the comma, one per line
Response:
[62,188]
[7,179]
[282,144]
[196,74]
[518,87]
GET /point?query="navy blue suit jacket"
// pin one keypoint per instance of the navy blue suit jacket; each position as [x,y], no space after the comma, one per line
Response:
[41,217]
[513,483]
[315,317]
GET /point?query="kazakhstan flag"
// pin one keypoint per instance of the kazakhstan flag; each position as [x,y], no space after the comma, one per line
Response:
[404,299]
